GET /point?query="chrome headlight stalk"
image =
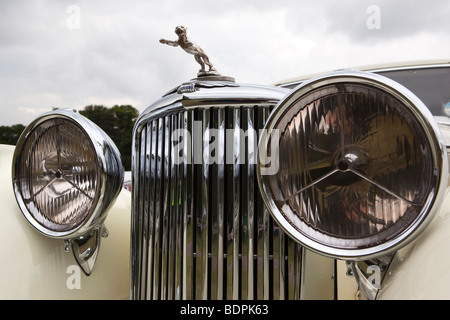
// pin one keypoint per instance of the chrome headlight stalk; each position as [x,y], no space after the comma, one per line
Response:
[369,275]
[66,174]
[362,167]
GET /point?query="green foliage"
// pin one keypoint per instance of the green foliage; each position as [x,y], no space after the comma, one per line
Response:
[10,135]
[118,123]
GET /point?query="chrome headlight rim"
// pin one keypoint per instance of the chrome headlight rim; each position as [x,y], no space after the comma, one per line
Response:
[422,114]
[100,144]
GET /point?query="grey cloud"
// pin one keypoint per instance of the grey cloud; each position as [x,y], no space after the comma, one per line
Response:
[115,56]
[400,18]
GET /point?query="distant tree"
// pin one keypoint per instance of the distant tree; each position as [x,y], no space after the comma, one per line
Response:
[118,123]
[101,116]
[125,116]
[10,134]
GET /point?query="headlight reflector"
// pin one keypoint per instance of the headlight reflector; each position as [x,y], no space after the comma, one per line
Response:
[361,164]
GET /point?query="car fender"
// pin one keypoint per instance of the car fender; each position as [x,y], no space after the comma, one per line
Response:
[34,266]
[421,270]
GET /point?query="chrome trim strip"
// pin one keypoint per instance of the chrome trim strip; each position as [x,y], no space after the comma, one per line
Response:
[233,202]
[157,231]
[150,187]
[262,233]
[217,209]
[180,223]
[296,82]
[175,262]
[248,207]
[202,194]
[188,232]
[171,207]
[135,246]
[410,68]
[165,202]
[146,218]
[294,269]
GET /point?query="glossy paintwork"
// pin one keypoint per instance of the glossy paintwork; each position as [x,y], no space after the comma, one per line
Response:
[422,269]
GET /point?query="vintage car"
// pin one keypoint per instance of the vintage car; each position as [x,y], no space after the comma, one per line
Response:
[330,187]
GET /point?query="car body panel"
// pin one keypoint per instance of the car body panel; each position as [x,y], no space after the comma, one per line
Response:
[371,68]
[421,270]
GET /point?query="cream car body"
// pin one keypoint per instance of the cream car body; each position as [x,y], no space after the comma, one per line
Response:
[421,270]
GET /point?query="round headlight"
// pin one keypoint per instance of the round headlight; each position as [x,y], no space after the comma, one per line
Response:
[66,172]
[361,165]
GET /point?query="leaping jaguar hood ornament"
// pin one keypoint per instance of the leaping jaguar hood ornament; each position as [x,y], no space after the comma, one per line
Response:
[199,55]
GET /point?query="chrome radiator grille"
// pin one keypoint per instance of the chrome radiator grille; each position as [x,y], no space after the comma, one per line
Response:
[201,230]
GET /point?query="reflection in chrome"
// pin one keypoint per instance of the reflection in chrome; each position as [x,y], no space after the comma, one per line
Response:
[86,248]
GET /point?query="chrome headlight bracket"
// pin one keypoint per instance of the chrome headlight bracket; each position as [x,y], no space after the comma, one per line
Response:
[362,165]
[66,174]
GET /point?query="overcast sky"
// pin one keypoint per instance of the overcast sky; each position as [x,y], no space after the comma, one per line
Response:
[73,53]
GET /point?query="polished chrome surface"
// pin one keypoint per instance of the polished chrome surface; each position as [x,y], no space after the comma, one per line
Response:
[369,274]
[86,249]
[200,230]
[348,159]
[108,172]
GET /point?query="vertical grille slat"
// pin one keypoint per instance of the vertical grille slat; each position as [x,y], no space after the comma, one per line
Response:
[147,221]
[233,204]
[166,203]
[262,233]
[177,220]
[203,204]
[188,211]
[200,229]
[217,207]
[172,211]
[150,206]
[247,209]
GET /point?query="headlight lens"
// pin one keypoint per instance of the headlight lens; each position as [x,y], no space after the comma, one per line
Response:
[360,165]
[59,173]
